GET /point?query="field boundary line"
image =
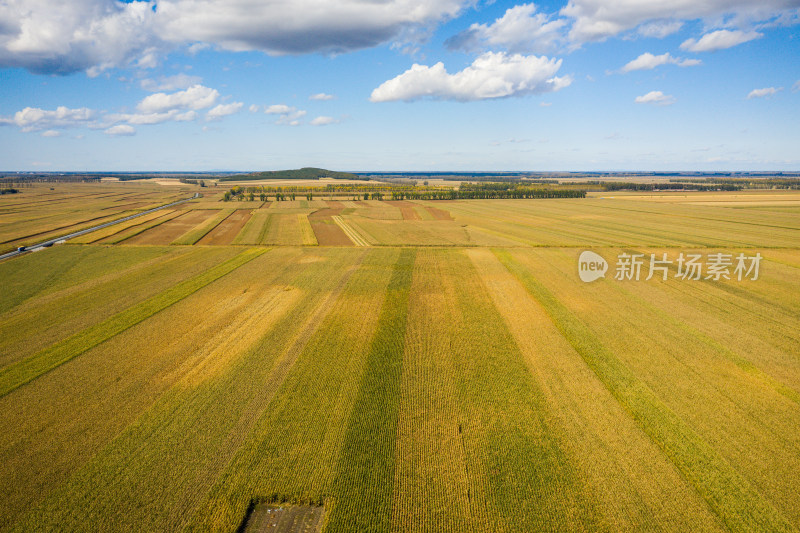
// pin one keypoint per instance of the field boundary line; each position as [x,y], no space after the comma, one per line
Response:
[729,495]
[350,232]
[22,372]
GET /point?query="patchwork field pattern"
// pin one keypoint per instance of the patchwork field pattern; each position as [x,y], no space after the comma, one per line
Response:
[456,375]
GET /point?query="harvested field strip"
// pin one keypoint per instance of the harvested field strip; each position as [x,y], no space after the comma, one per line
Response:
[438,214]
[350,232]
[256,228]
[95,236]
[55,316]
[136,229]
[102,394]
[328,233]
[292,454]
[367,454]
[227,231]
[172,229]
[306,231]
[749,424]
[200,231]
[731,497]
[18,374]
[527,481]
[632,482]
[67,228]
[432,481]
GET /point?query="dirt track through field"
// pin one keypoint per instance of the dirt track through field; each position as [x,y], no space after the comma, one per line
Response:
[228,229]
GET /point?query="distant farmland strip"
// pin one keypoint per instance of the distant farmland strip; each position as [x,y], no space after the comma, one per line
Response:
[140,228]
[20,373]
[201,230]
[731,497]
[306,231]
[350,232]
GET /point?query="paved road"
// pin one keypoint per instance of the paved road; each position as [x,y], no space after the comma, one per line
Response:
[51,242]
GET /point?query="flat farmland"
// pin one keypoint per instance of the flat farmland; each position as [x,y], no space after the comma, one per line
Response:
[43,211]
[455,375]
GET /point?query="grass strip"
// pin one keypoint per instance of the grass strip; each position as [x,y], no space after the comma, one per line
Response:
[364,487]
[729,495]
[198,232]
[25,371]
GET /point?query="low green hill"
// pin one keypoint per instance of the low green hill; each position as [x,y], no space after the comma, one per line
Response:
[307,173]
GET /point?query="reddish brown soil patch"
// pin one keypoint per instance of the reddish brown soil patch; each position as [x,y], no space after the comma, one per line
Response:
[328,233]
[265,205]
[406,208]
[228,229]
[334,204]
[172,229]
[439,214]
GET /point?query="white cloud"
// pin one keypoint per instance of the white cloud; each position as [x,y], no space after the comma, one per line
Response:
[170,83]
[121,130]
[520,29]
[35,119]
[599,19]
[766,92]
[492,75]
[299,26]
[278,109]
[321,96]
[254,108]
[660,28]
[323,121]
[223,110]
[51,133]
[719,40]
[796,86]
[288,115]
[195,97]
[648,61]
[53,36]
[655,97]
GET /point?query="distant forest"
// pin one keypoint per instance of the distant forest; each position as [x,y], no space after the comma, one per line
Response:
[306,173]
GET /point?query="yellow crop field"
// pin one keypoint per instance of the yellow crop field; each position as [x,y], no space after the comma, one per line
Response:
[621,362]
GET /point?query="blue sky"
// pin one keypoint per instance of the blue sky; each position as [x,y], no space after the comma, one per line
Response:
[400,85]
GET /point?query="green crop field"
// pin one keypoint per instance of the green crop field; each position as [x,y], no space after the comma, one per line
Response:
[453,375]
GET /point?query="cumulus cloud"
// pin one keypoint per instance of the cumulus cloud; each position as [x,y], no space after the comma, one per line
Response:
[520,29]
[599,19]
[299,26]
[321,96]
[170,83]
[223,110]
[195,97]
[52,36]
[120,130]
[51,133]
[656,98]
[660,28]
[492,75]
[648,61]
[35,119]
[766,92]
[323,121]
[288,115]
[719,40]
